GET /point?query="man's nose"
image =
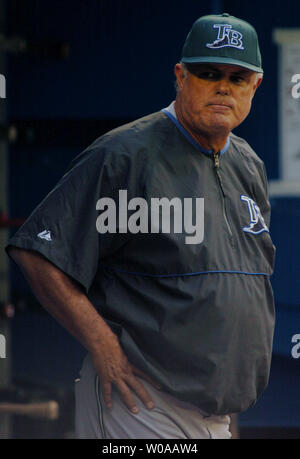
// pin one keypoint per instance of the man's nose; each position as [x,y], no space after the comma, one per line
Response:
[223,87]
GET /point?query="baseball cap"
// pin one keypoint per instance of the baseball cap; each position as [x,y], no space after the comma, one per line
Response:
[223,39]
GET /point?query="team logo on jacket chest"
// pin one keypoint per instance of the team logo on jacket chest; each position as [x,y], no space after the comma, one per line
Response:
[256,223]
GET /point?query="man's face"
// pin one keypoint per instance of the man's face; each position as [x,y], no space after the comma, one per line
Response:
[214,98]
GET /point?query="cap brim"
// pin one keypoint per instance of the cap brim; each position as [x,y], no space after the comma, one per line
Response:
[221,60]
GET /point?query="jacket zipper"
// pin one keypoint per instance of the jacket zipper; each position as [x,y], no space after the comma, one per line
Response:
[219,179]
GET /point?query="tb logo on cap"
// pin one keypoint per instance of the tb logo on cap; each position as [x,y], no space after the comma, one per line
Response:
[226,37]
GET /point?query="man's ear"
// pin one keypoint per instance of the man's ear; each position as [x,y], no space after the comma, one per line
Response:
[258,82]
[180,75]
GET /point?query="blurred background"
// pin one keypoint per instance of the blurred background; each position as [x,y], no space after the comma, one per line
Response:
[71,71]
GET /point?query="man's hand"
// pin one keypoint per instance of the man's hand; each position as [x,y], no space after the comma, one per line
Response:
[113,368]
[68,304]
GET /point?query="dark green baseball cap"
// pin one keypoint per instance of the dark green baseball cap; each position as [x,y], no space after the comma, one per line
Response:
[223,39]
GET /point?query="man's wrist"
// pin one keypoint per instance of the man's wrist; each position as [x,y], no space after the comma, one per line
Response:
[103,336]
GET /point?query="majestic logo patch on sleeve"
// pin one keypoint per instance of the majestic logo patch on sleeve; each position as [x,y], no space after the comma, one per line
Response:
[257,223]
[46,234]
[226,37]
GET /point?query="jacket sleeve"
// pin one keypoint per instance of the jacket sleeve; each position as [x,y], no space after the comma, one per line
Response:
[63,226]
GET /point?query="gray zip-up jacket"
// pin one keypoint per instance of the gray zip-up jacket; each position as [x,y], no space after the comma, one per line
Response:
[193,310]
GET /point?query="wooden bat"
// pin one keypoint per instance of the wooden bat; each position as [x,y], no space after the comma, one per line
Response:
[43,410]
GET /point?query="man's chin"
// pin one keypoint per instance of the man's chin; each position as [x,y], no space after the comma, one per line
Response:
[218,127]
[222,120]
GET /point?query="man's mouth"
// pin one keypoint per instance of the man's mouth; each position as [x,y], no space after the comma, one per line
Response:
[219,106]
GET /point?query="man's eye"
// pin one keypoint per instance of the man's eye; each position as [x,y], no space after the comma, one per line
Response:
[208,75]
[237,79]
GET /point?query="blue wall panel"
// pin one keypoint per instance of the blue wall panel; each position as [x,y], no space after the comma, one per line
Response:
[121,61]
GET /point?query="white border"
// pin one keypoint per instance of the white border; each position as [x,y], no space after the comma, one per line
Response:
[278,188]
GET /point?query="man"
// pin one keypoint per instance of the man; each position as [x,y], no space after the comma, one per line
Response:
[154,251]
